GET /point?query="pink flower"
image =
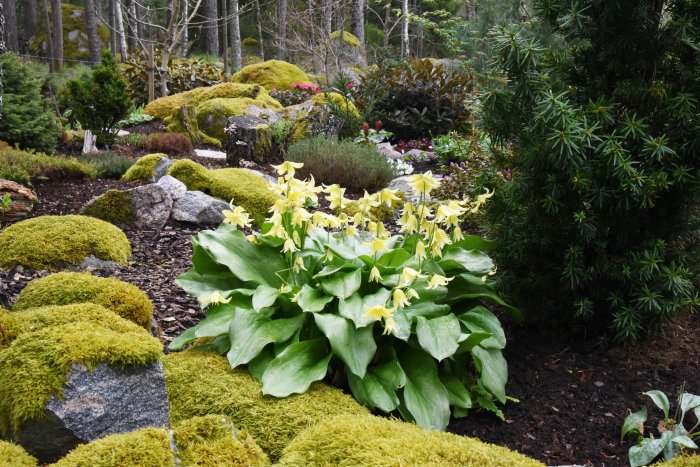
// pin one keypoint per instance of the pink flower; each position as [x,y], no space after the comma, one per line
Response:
[350,86]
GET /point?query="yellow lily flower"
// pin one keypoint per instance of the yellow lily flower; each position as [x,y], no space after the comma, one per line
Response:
[236,216]
[423,183]
[408,275]
[378,312]
[387,197]
[288,168]
[374,275]
[213,299]
[299,264]
[399,298]
[438,281]
[420,250]
[377,245]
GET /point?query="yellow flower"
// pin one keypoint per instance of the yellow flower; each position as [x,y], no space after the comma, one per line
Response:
[399,299]
[420,250]
[213,298]
[438,281]
[286,288]
[328,257]
[408,275]
[289,246]
[411,294]
[358,219]
[440,239]
[378,312]
[288,168]
[387,197]
[253,239]
[336,196]
[409,224]
[351,231]
[481,200]
[457,234]
[367,202]
[374,275]
[299,216]
[236,216]
[376,245]
[299,264]
[423,183]
[389,325]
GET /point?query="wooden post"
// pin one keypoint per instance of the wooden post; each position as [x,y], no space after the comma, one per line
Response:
[151,73]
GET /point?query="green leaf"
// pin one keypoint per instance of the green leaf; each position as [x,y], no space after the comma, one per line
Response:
[634,423]
[353,308]
[264,297]
[202,285]
[474,242]
[343,285]
[312,300]
[250,332]
[424,396]
[355,347]
[438,336]
[394,258]
[332,269]
[457,393]
[494,371]
[293,370]
[373,392]
[402,330]
[426,309]
[466,286]
[468,341]
[459,259]
[480,319]
[258,365]
[646,452]
[346,247]
[689,402]
[203,262]
[660,400]
[215,323]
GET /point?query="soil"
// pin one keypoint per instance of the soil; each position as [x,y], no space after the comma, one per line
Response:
[573,396]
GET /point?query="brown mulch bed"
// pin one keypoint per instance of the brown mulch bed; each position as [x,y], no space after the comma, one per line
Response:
[572,396]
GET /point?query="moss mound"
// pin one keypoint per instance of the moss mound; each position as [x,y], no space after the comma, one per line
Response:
[23,167]
[67,288]
[212,115]
[245,189]
[373,441]
[114,206]
[692,460]
[202,383]
[12,455]
[213,440]
[196,177]
[13,324]
[36,364]
[143,169]
[148,447]
[339,101]
[165,106]
[348,39]
[271,74]
[50,242]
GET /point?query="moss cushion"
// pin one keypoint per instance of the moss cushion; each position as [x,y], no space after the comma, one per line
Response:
[51,242]
[691,460]
[114,206]
[67,288]
[202,383]
[245,189]
[12,455]
[212,115]
[143,169]
[376,441]
[272,74]
[196,177]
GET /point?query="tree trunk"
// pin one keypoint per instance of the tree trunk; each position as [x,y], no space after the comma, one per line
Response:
[358,20]
[327,12]
[282,31]
[31,19]
[11,28]
[224,14]
[186,32]
[236,37]
[134,38]
[112,28]
[49,39]
[141,15]
[57,18]
[258,20]
[405,43]
[91,30]
[471,9]
[387,24]
[211,28]
[2,49]
[119,16]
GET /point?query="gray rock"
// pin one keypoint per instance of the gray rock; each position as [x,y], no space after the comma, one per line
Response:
[92,263]
[161,168]
[248,138]
[265,176]
[400,184]
[174,187]
[95,404]
[199,208]
[269,115]
[388,150]
[151,206]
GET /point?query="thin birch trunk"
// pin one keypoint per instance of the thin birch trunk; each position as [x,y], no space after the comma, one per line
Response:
[57,18]
[91,30]
[119,16]
[49,40]
[236,37]
[11,33]
[258,20]
[406,45]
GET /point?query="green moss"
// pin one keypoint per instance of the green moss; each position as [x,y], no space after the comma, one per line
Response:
[49,242]
[23,166]
[213,440]
[339,101]
[143,169]
[176,123]
[36,364]
[148,447]
[114,206]
[249,42]
[682,461]
[348,39]
[196,177]
[12,324]
[271,74]
[374,441]
[12,455]
[213,114]
[202,383]
[67,288]
[245,189]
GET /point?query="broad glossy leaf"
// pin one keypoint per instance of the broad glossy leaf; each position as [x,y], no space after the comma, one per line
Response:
[689,402]
[424,395]
[373,392]
[353,308]
[634,423]
[660,400]
[201,285]
[480,319]
[494,371]
[251,331]
[685,441]
[468,341]
[456,392]
[215,323]
[646,452]
[258,365]
[394,258]
[467,286]
[402,330]
[332,269]
[343,284]
[312,300]
[426,309]
[264,297]
[203,262]
[473,261]
[296,368]
[438,336]
[355,347]
[347,247]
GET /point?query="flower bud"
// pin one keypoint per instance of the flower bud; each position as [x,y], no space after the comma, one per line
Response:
[365,129]
[378,125]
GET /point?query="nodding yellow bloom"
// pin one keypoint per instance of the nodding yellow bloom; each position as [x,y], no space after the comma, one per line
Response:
[399,298]
[343,219]
[213,299]
[438,281]
[408,209]
[408,275]
[481,200]
[299,216]
[299,264]
[423,183]
[457,234]
[374,275]
[328,257]
[288,168]
[367,202]
[236,216]
[289,246]
[440,239]
[409,224]
[277,231]
[490,273]
[411,293]
[387,197]
[286,288]
[378,312]
[424,211]
[253,239]
[420,250]
[378,244]
[296,238]
[295,298]
[389,325]
[358,219]
[336,196]
[280,205]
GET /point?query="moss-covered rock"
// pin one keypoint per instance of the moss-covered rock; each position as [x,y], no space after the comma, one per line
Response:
[271,74]
[375,441]
[148,447]
[12,455]
[12,324]
[213,440]
[202,383]
[348,39]
[244,189]
[114,206]
[67,288]
[196,177]
[143,169]
[53,242]
[339,101]
[212,115]
[36,364]
[692,460]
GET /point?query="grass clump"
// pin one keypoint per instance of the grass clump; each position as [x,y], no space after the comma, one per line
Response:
[350,165]
[51,242]
[245,189]
[12,455]
[36,364]
[148,447]
[24,166]
[196,177]
[108,164]
[374,441]
[203,383]
[271,74]
[143,169]
[67,288]
[114,206]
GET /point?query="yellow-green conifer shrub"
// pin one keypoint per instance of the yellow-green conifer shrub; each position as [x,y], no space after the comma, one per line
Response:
[375,441]
[692,460]
[196,177]
[66,288]
[245,189]
[12,455]
[203,383]
[272,74]
[213,440]
[36,364]
[51,242]
[143,169]
[12,324]
[148,447]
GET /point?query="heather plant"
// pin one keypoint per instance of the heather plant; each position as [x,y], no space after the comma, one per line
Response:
[398,319]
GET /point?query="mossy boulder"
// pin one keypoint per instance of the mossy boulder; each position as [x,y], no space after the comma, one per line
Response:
[12,455]
[348,39]
[195,176]
[213,115]
[375,441]
[272,74]
[245,189]
[202,383]
[691,460]
[338,100]
[144,169]
[114,206]
[143,207]
[67,288]
[55,242]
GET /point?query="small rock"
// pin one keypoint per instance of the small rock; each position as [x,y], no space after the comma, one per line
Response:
[22,201]
[599,384]
[401,184]
[210,154]
[151,206]
[92,263]
[388,150]
[199,208]
[161,168]
[174,187]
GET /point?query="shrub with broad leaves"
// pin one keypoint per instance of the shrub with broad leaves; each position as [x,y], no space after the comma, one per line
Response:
[299,92]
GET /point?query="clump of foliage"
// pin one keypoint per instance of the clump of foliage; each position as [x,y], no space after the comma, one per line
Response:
[600,101]
[23,167]
[343,162]
[415,98]
[99,100]
[174,144]
[136,117]
[296,94]
[398,319]
[27,118]
[108,164]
